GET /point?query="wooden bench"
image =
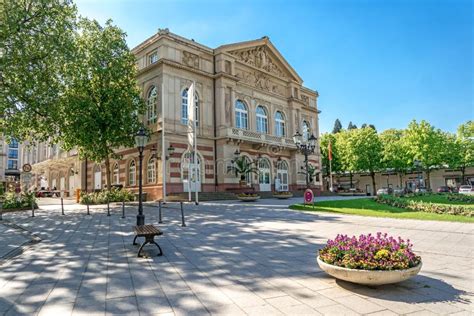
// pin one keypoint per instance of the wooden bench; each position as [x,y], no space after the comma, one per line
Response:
[149,232]
[171,199]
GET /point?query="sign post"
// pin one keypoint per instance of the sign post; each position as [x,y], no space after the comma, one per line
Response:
[308,196]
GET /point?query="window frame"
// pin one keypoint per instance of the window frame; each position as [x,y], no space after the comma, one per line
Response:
[134,182]
[116,173]
[280,124]
[151,163]
[261,119]
[151,104]
[153,58]
[241,115]
[184,107]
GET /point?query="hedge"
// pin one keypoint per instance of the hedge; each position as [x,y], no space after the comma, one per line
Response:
[420,206]
[104,196]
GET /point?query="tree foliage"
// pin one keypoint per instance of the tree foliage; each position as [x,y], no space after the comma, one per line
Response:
[337,127]
[102,103]
[36,47]
[351,126]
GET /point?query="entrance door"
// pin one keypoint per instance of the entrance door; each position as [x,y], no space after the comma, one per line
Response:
[191,173]
[264,175]
[282,176]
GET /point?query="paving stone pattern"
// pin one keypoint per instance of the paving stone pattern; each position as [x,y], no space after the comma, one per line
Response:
[231,259]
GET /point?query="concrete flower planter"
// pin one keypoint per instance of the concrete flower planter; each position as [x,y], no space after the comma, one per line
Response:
[369,277]
[282,196]
[248,198]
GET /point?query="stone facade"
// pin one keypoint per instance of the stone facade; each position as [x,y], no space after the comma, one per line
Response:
[251,73]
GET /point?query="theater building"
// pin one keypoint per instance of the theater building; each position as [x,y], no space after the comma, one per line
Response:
[249,100]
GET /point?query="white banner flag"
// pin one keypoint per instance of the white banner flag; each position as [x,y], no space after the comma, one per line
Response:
[191,118]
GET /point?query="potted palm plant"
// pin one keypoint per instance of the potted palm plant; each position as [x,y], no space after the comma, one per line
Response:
[241,168]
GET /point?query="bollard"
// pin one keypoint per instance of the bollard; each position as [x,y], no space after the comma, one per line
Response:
[123,209]
[108,208]
[33,209]
[1,211]
[62,206]
[182,216]
[88,213]
[159,213]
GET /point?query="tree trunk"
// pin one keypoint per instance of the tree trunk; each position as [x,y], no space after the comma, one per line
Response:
[428,184]
[400,174]
[107,172]
[372,175]
[350,177]
[463,174]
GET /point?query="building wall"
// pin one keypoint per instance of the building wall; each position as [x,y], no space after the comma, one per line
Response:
[253,72]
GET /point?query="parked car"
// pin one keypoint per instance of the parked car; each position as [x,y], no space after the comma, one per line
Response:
[384,191]
[444,189]
[466,189]
[399,191]
[421,190]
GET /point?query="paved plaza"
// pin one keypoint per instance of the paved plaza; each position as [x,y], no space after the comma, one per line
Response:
[231,259]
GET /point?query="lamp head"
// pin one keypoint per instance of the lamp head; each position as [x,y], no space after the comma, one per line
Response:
[141,138]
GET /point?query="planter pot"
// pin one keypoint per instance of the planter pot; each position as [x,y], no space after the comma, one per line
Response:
[282,196]
[248,198]
[369,277]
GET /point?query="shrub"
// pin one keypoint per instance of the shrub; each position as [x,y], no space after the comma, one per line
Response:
[283,193]
[428,207]
[460,197]
[23,200]
[248,194]
[101,197]
[368,252]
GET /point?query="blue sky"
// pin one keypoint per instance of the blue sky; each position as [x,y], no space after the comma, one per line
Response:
[379,62]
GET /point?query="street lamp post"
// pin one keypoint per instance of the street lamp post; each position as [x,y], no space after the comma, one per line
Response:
[306,147]
[140,141]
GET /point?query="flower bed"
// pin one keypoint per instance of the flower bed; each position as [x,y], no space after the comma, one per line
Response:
[421,206]
[368,252]
[283,195]
[248,196]
[23,201]
[101,197]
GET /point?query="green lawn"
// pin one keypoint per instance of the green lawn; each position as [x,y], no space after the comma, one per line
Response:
[368,207]
[438,199]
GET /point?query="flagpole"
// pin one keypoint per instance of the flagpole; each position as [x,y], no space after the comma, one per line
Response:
[195,146]
[330,175]
[163,153]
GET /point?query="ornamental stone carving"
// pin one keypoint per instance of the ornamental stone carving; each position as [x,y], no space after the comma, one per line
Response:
[259,80]
[260,58]
[190,59]
[305,99]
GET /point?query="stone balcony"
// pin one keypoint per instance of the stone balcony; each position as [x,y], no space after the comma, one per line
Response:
[258,138]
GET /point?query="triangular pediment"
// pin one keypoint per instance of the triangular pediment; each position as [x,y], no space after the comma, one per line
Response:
[262,55]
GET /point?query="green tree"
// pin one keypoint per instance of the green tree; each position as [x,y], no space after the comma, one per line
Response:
[427,145]
[337,127]
[366,150]
[394,152]
[36,45]
[344,149]
[351,126]
[102,104]
[242,167]
[461,149]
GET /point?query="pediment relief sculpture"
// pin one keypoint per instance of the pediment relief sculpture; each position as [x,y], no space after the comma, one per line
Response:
[260,81]
[190,59]
[260,58]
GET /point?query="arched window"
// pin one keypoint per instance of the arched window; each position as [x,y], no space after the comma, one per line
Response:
[262,120]
[151,171]
[306,131]
[241,115]
[184,107]
[132,171]
[116,173]
[279,124]
[151,105]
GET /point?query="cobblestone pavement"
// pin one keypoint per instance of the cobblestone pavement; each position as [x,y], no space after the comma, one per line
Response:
[231,259]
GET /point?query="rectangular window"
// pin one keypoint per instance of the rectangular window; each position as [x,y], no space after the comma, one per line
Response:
[12,164]
[153,58]
[13,153]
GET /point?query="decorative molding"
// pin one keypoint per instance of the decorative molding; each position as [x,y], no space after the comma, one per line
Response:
[190,59]
[259,80]
[260,58]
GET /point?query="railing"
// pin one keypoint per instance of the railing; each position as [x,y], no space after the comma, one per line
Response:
[259,138]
